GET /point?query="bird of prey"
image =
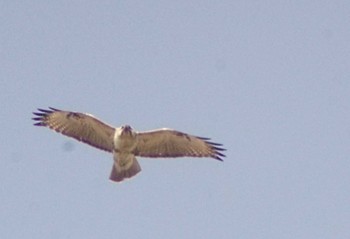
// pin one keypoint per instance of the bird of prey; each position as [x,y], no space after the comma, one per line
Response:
[124,142]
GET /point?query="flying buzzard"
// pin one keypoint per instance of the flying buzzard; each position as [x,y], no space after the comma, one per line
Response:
[124,142]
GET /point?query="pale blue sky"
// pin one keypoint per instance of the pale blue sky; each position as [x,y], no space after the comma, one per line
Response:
[268,79]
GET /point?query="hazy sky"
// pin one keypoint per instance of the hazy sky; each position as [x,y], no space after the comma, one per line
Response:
[268,79]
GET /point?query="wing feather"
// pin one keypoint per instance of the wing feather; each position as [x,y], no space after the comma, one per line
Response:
[171,143]
[80,126]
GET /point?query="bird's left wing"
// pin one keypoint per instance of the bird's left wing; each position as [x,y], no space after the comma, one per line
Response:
[171,143]
[83,127]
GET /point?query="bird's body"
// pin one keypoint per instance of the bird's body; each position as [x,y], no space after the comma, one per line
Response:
[125,162]
[124,142]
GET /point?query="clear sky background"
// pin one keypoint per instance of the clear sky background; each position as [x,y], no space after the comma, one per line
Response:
[268,79]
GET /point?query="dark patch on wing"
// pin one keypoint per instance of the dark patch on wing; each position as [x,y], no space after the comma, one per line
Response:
[73,115]
[178,133]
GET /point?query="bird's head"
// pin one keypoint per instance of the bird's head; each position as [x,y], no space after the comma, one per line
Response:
[126,129]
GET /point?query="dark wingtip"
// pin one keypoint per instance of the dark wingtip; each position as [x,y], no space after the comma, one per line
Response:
[39,124]
[45,111]
[39,114]
[217,149]
[37,118]
[203,138]
[219,156]
[54,109]
[42,113]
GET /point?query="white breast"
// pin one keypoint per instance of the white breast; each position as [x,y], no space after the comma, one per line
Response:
[124,142]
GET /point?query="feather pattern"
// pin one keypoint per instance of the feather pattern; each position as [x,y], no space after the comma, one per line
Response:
[171,143]
[80,126]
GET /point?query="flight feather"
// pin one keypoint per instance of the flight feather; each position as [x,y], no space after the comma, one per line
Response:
[83,127]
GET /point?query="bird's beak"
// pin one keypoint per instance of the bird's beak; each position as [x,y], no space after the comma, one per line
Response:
[127,129]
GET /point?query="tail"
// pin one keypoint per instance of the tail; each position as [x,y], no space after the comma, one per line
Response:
[119,173]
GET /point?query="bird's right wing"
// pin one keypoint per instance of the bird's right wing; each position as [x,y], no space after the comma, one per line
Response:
[82,127]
